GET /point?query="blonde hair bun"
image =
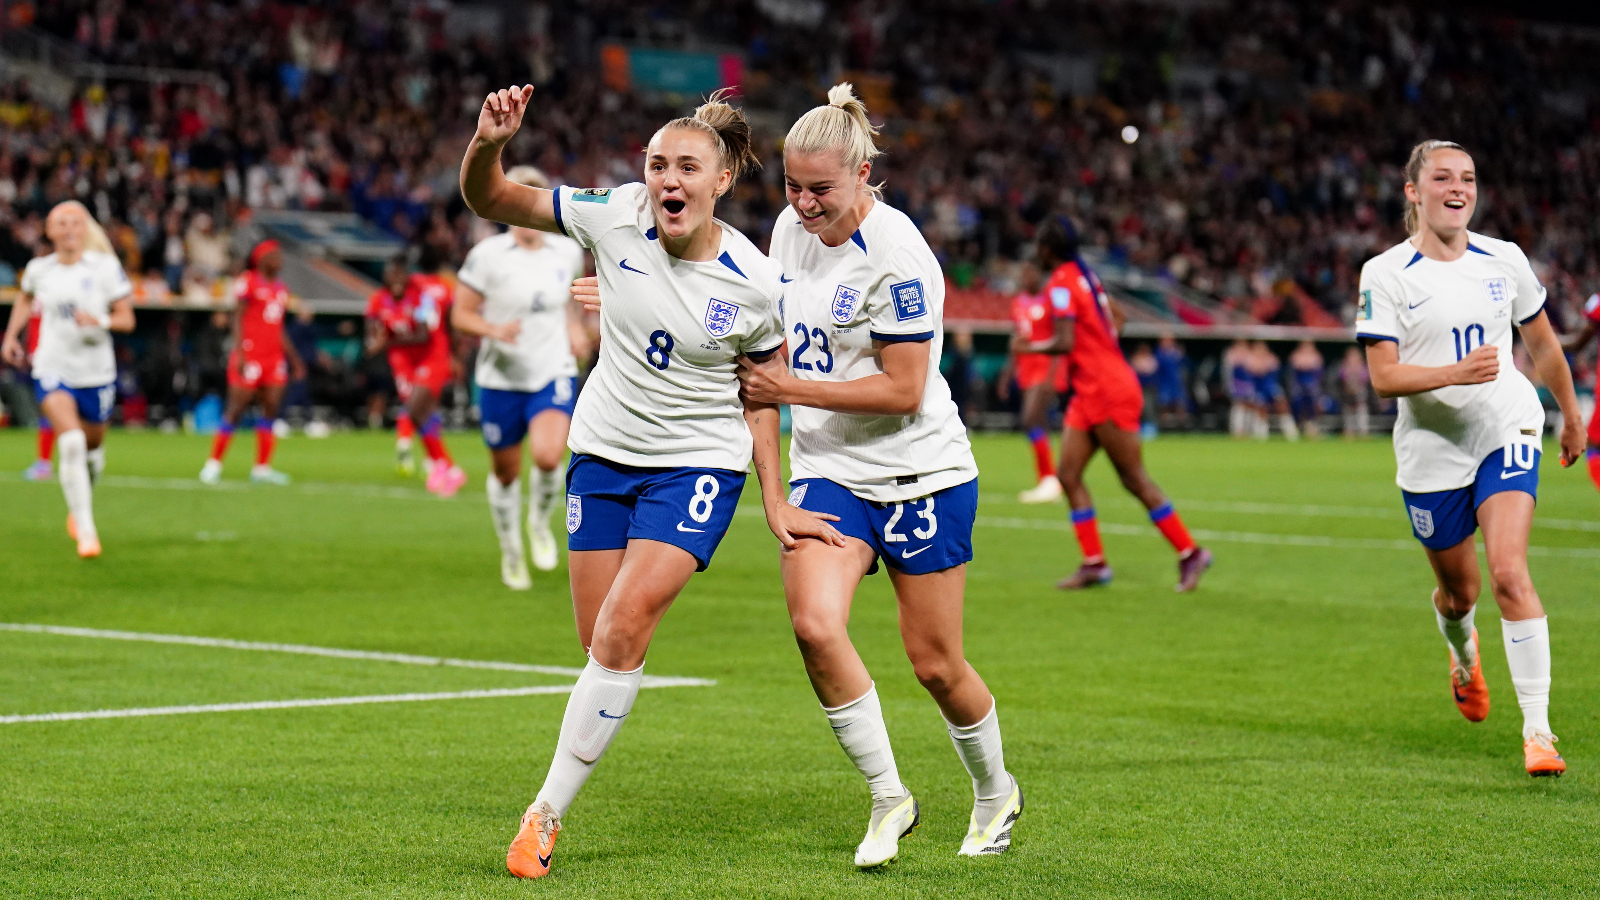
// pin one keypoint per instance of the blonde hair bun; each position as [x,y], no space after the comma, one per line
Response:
[841,125]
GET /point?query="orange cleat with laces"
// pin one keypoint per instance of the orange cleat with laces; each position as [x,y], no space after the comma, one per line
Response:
[529,856]
[1540,754]
[1468,687]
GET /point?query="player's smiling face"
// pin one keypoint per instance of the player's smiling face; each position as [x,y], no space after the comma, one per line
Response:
[1446,190]
[67,227]
[684,175]
[821,188]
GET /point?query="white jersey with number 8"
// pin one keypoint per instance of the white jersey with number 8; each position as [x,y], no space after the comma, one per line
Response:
[665,392]
[1437,313]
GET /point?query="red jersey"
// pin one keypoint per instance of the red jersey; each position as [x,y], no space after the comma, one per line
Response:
[1036,317]
[1591,310]
[415,324]
[1098,367]
[261,305]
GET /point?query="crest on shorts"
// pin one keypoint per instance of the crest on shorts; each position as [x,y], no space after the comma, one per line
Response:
[719,317]
[491,433]
[1496,288]
[1422,522]
[574,512]
[798,495]
[845,302]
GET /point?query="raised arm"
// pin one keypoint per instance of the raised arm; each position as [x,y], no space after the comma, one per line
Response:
[1545,349]
[897,391]
[483,184]
[1390,378]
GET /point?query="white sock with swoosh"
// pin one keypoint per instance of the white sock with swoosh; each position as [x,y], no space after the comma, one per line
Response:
[600,702]
[1528,657]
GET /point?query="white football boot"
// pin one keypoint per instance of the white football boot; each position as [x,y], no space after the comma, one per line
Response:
[892,819]
[993,836]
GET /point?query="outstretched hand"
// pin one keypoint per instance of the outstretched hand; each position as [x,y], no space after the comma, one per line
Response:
[501,114]
[586,290]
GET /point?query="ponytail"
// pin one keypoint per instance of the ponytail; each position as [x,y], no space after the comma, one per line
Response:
[1418,159]
[728,129]
[841,125]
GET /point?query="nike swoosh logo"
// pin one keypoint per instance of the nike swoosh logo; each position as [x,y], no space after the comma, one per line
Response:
[1459,698]
[1505,475]
[624,265]
[1415,305]
[544,858]
[785,279]
[910,553]
[695,530]
[1520,640]
[604,716]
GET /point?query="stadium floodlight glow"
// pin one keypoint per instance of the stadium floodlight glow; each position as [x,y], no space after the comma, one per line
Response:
[1129,134]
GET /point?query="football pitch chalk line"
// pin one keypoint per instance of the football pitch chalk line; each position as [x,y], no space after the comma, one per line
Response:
[648,681]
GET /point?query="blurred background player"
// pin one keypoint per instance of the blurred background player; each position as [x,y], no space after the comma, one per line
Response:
[1244,410]
[1267,372]
[1172,380]
[865,308]
[85,296]
[40,469]
[1353,401]
[381,307]
[1573,344]
[1306,370]
[515,292]
[1435,314]
[258,367]
[1104,411]
[413,327]
[1041,377]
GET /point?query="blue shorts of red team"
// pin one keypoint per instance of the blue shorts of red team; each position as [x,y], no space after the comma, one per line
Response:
[94,403]
[609,504]
[504,415]
[1443,519]
[928,534]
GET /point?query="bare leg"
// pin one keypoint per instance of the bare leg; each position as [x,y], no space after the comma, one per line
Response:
[651,575]
[819,582]
[591,572]
[930,624]
[1077,447]
[1127,456]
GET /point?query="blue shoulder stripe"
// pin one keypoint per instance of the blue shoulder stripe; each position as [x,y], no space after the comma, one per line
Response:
[727,260]
[860,241]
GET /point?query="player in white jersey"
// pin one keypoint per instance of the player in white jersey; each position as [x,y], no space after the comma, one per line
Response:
[1436,316]
[514,292]
[877,443]
[660,438]
[85,296]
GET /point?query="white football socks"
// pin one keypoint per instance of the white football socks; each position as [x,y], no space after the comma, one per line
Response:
[1458,634]
[865,739]
[979,748]
[505,510]
[1528,656]
[1287,425]
[74,475]
[546,487]
[96,459]
[600,701]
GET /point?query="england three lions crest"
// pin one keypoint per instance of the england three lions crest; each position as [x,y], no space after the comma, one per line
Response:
[845,302]
[719,317]
[1496,289]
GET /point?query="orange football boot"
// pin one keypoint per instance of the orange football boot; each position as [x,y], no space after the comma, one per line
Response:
[529,856]
[1468,687]
[89,547]
[1540,754]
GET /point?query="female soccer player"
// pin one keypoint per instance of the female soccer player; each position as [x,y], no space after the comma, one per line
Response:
[659,439]
[1040,376]
[381,308]
[1435,314]
[258,367]
[878,447]
[1307,366]
[1591,324]
[85,296]
[1267,370]
[515,292]
[1104,412]
[42,469]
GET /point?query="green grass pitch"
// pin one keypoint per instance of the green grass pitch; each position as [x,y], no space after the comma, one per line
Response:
[1287,731]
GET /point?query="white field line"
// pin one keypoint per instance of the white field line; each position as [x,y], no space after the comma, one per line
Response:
[139,712]
[334,652]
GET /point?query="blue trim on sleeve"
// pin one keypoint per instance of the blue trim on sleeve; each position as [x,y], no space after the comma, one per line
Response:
[651,235]
[759,355]
[1415,258]
[860,241]
[1532,317]
[559,223]
[901,338]
[1476,249]
[727,260]
[1362,335]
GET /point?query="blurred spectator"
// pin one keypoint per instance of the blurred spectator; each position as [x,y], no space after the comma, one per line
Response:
[1305,368]
[1353,389]
[1172,380]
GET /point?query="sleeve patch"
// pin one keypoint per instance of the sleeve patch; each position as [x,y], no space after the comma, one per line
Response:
[592,195]
[909,302]
[1061,299]
[1364,307]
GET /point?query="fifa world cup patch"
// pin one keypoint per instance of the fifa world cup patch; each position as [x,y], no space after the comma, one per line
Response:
[719,317]
[593,195]
[845,302]
[1496,289]
[574,513]
[798,495]
[909,302]
[1364,307]
[1421,521]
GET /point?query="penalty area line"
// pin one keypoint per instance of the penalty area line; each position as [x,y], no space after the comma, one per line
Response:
[140,712]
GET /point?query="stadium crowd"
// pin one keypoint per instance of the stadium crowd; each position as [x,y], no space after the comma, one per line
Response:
[1247,150]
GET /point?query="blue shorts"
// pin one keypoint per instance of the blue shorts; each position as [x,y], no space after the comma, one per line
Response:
[94,403]
[1443,519]
[609,504]
[928,534]
[505,414]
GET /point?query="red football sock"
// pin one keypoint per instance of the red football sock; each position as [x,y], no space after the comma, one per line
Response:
[1166,518]
[404,428]
[1088,529]
[219,446]
[47,442]
[1043,459]
[1594,466]
[265,442]
[431,431]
